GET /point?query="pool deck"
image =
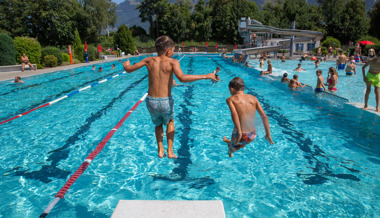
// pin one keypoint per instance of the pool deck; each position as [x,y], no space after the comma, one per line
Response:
[361,106]
[11,75]
[169,209]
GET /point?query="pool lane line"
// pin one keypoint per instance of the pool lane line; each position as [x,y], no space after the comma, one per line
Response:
[61,98]
[88,160]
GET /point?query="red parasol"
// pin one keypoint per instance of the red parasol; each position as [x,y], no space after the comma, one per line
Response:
[235,45]
[366,43]
[206,43]
[85,46]
[99,48]
[216,45]
[183,45]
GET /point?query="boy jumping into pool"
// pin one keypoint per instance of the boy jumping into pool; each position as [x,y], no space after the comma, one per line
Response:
[159,101]
[243,110]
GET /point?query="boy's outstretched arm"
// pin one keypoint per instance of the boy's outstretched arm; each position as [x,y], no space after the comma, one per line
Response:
[130,68]
[265,122]
[189,78]
[235,120]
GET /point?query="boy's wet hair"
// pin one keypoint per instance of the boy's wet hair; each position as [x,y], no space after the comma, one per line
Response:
[236,83]
[217,68]
[163,43]
[292,81]
[285,75]
[295,76]
[319,72]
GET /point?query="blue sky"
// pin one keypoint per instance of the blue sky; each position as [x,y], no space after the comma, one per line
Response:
[118,1]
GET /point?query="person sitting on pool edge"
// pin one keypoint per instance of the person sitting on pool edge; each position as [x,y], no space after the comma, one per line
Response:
[284,78]
[298,68]
[243,111]
[269,70]
[25,60]
[320,86]
[159,102]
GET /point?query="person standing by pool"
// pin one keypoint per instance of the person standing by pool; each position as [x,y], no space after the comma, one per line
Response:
[341,61]
[351,68]
[159,102]
[320,86]
[25,60]
[332,79]
[243,111]
[372,78]
[371,53]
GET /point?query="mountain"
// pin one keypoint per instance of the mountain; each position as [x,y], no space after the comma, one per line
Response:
[129,16]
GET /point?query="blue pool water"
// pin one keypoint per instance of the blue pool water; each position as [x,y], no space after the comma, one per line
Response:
[325,161]
[350,87]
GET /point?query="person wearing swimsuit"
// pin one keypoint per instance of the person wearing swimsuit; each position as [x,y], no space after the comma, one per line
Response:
[320,86]
[332,79]
[372,78]
[351,68]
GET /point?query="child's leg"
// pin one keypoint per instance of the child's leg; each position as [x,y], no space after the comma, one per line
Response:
[159,137]
[170,138]
[366,96]
[230,152]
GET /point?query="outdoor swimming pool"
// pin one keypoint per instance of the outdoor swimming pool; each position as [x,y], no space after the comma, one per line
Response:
[325,161]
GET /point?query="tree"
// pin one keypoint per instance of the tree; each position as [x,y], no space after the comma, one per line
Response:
[7,50]
[333,12]
[201,25]
[273,15]
[78,47]
[374,23]
[174,25]
[153,11]
[13,17]
[123,39]
[354,21]
[137,31]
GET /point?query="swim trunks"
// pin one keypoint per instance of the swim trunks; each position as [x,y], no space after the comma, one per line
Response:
[333,89]
[349,73]
[341,66]
[161,109]
[372,56]
[374,79]
[318,90]
[357,58]
[246,138]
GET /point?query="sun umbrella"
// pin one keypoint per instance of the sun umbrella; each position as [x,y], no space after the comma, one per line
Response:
[206,43]
[99,48]
[235,46]
[85,46]
[216,45]
[366,43]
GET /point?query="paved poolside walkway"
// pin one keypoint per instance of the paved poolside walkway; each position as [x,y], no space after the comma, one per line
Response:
[11,75]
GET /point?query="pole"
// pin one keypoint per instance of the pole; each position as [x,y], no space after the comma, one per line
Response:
[293,26]
[71,55]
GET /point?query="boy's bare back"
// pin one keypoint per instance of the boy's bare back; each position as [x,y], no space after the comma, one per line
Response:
[245,106]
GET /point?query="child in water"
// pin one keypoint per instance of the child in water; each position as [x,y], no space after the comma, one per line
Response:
[285,79]
[243,110]
[217,78]
[320,86]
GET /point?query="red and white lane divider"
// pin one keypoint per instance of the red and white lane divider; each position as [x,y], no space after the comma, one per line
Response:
[61,98]
[88,160]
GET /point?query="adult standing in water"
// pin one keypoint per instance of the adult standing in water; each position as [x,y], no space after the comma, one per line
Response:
[372,78]
[332,79]
[330,50]
[342,61]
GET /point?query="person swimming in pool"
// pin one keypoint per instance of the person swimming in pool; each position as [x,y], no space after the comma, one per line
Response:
[351,68]
[159,102]
[217,78]
[100,69]
[93,67]
[261,61]
[18,80]
[243,109]
[285,78]
[298,68]
[113,66]
[292,84]
[372,78]
[295,78]
[320,86]
[317,63]
[332,79]
[283,58]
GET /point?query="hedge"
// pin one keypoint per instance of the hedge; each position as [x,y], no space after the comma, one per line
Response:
[53,51]
[91,50]
[30,46]
[65,57]
[39,66]
[7,50]
[330,41]
[50,61]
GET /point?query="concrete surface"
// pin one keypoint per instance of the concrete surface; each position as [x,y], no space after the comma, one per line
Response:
[361,106]
[169,209]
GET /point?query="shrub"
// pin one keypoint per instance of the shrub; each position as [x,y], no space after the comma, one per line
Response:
[39,66]
[282,51]
[91,50]
[123,39]
[65,57]
[31,47]
[50,61]
[323,50]
[330,41]
[7,50]
[78,47]
[53,51]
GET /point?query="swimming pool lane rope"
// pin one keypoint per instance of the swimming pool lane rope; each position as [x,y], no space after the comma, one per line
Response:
[88,160]
[61,98]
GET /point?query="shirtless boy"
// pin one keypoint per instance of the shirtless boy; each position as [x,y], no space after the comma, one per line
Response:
[372,78]
[25,60]
[284,78]
[269,69]
[298,68]
[283,58]
[18,80]
[159,101]
[295,78]
[243,110]
[320,86]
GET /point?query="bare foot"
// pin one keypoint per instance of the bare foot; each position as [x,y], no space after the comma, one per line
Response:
[161,154]
[230,154]
[172,156]
[225,139]
[377,109]
[365,108]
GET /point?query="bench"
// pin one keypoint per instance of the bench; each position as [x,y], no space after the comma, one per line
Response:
[9,68]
